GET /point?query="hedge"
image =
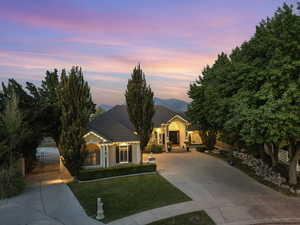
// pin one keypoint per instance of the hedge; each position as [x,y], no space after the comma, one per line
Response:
[11,183]
[125,169]
[201,148]
[154,148]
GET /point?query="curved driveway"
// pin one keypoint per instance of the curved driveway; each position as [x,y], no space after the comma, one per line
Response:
[226,193]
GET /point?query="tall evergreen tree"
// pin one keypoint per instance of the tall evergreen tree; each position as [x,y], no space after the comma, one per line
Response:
[140,106]
[75,102]
[12,125]
[29,107]
[49,104]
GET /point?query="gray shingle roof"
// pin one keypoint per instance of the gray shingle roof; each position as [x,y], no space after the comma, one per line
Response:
[115,125]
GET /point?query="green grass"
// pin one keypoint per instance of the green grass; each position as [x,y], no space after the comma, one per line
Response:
[125,196]
[194,218]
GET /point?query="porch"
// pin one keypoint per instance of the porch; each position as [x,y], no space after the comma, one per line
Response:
[172,134]
[103,154]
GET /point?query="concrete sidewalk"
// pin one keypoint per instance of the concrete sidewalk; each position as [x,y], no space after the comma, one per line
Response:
[47,200]
[215,213]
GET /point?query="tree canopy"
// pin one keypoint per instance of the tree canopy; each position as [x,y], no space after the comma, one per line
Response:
[76,106]
[59,108]
[254,92]
[140,106]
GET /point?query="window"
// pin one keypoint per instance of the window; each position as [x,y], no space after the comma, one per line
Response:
[123,153]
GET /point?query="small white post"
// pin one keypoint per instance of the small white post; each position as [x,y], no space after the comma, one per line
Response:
[100,213]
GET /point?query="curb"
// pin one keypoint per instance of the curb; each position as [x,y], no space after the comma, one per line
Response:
[269,221]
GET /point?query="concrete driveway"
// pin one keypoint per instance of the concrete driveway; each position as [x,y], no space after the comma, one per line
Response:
[47,200]
[227,194]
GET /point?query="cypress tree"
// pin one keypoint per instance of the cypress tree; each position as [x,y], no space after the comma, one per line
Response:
[140,106]
[49,103]
[75,102]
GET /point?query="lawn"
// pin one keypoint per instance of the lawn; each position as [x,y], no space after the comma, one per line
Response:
[125,196]
[194,218]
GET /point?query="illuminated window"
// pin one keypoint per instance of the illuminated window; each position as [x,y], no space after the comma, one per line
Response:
[93,155]
[92,158]
[123,153]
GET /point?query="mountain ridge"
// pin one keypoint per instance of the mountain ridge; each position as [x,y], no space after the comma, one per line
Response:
[171,103]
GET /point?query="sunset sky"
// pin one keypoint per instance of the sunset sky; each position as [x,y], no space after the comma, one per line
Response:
[172,39]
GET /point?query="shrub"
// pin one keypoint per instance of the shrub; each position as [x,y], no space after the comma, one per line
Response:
[224,153]
[125,169]
[169,144]
[282,169]
[255,150]
[11,183]
[208,137]
[201,148]
[154,148]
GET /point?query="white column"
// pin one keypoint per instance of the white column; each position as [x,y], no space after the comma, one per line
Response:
[138,153]
[102,156]
[100,147]
[107,155]
[166,137]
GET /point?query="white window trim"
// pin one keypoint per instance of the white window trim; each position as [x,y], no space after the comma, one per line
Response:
[127,151]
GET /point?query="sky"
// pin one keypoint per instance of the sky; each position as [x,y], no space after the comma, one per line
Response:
[173,40]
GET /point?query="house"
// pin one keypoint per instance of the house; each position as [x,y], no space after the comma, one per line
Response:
[112,140]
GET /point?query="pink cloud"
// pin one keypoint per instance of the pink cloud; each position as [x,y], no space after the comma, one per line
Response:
[68,16]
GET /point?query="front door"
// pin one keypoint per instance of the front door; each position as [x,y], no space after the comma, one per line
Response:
[174,137]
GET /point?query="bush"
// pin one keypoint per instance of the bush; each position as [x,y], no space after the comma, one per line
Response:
[282,169]
[209,138]
[11,183]
[201,148]
[224,153]
[154,148]
[126,169]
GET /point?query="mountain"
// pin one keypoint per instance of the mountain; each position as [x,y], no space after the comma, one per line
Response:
[105,107]
[172,103]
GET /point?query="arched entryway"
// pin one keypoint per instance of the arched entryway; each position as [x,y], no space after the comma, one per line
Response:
[177,132]
[93,157]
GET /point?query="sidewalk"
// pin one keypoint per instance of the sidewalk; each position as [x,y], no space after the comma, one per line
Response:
[215,213]
[47,200]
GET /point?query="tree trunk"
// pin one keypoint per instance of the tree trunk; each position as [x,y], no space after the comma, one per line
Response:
[293,166]
[272,151]
[275,153]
